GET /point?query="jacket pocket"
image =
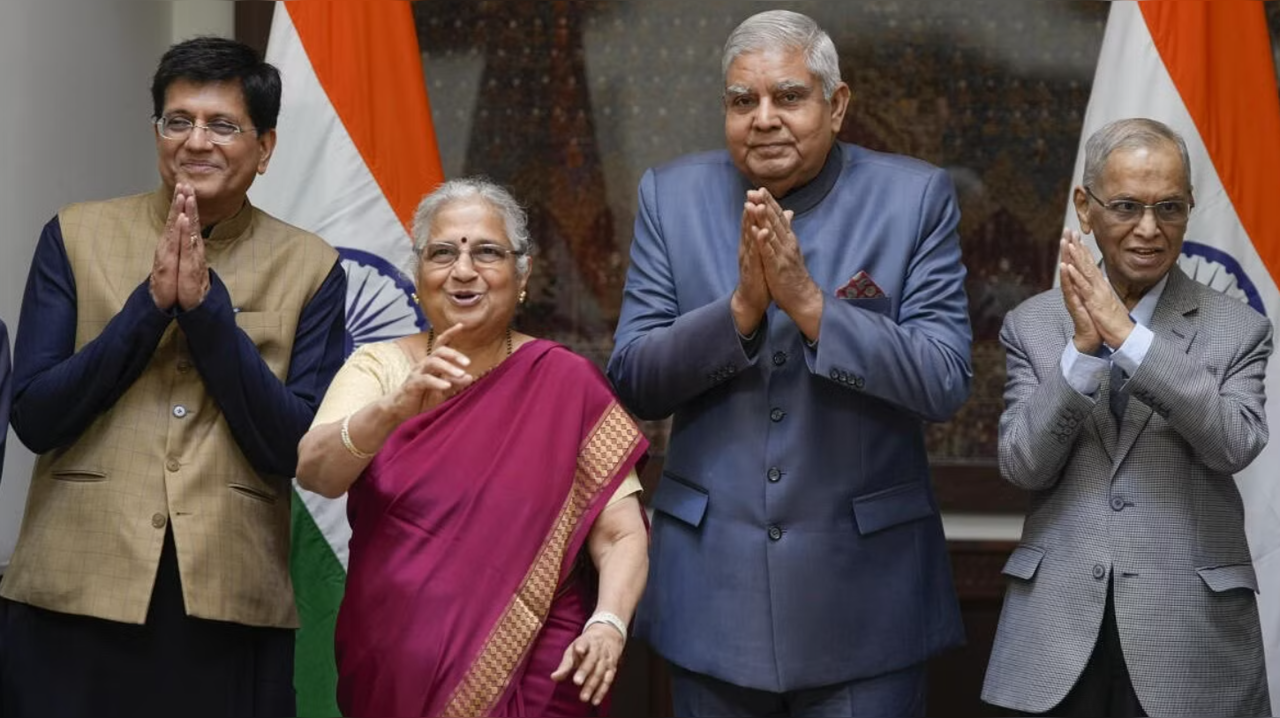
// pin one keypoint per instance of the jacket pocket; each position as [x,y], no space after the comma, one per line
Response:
[253,492]
[1229,577]
[1023,562]
[879,305]
[80,474]
[889,507]
[681,499]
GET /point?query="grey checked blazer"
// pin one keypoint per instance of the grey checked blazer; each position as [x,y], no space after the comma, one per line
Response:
[1149,505]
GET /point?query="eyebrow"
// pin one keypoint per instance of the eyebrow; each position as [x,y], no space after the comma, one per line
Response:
[790,85]
[470,240]
[780,86]
[212,117]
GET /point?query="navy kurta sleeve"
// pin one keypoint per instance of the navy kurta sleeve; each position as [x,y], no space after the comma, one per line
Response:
[57,391]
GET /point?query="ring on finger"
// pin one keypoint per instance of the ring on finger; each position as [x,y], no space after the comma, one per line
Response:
[194,237]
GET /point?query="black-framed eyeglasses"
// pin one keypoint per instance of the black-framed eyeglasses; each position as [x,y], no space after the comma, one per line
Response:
[1167,211]
[219,132]
[444,254]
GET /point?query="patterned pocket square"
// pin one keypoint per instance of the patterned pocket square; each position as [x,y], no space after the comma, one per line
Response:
[860,286]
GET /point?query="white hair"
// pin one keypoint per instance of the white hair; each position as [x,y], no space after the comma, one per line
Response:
[496,196]
[1130,134]
[786,30]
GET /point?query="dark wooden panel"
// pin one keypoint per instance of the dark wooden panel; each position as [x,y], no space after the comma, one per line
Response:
[253,24]
[955,677]
[976,487]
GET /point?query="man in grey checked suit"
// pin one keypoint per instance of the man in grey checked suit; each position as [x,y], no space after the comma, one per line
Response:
[1132,591]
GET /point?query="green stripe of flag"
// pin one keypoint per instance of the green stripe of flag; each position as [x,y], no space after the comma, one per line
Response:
[318,583]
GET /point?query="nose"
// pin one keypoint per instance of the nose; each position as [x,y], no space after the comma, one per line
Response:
[1147,225]
[199,137]
[463,268]
[765,118]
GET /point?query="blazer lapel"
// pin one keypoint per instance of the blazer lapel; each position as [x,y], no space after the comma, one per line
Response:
[1171,324]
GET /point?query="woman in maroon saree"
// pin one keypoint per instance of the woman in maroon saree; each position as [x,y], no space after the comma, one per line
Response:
[498,548]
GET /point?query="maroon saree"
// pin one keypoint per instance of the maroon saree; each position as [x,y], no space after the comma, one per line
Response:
[465,530]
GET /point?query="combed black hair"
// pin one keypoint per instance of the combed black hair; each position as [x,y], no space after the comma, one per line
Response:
[217,59]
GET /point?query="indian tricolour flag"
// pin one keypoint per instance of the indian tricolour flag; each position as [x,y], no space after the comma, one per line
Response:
[356,152]
[1205,69]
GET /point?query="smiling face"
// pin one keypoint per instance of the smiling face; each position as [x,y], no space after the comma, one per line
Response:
[778,126]
[481,296]
[220,174]
[1137,253]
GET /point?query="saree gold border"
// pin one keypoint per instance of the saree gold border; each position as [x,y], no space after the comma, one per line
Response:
[608,444]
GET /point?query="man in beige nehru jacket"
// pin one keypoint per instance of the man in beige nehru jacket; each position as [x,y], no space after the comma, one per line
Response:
[172,349]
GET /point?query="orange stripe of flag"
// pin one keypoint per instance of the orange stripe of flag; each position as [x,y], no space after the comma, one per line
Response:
[1219,56]
[366,57]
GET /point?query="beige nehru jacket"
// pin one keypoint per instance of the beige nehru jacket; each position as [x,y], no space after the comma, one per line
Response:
[97,509]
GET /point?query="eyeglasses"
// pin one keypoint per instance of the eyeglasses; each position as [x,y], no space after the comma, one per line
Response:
[444,254]
[219,132]
[1167,211]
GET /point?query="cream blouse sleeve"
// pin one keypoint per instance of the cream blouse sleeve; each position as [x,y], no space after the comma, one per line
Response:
[629,486]
[370,373]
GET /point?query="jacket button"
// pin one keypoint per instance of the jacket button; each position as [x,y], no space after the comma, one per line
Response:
[835,374]
[775,533]
[777,414]
[1117,503]
[172,465]
[774,474]
[857,383]
[1099,571]
[779,358]
[158,521]
[179,411]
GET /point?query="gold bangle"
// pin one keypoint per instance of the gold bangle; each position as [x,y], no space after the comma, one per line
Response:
[346,440]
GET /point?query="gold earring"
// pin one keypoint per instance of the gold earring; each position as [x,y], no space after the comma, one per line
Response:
[415,299]
[523,296]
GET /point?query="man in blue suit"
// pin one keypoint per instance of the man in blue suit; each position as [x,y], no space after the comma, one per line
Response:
[798,304]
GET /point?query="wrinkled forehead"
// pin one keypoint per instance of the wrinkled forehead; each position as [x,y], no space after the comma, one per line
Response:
[770,69]
[1157,167]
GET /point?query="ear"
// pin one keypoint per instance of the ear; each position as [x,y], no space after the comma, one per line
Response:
[1081,200]
[266,146]
[840,100]
[524,278]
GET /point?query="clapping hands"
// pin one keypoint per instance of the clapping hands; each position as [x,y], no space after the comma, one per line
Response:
[1096,312]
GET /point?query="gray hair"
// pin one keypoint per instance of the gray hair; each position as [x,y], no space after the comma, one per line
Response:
[1130,134]
[497,197]
[786,30]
